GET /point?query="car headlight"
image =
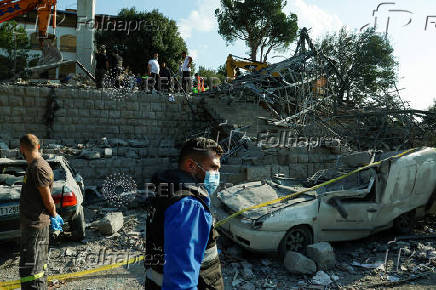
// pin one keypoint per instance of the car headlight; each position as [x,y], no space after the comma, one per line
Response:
[256,224]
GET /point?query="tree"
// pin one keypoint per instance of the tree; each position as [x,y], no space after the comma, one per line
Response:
[431,118]
[261,24]
[365,62]
[212,76]
[153,33]
[13,44]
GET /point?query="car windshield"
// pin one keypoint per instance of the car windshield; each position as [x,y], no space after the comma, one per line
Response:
[12,174]
[58,170]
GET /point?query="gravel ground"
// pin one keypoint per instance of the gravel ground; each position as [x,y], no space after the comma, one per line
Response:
[241,269]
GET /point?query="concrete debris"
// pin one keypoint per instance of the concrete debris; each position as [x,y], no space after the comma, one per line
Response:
[392,278]
[69,252]
[110,224]
[248,286]
[108,152]
[234,251]
[377,265]
[118,142]
[297,263]
[322,278]
[90,154]
[247,270]
[138,143]
[322,254]
[132,154]
[304,94]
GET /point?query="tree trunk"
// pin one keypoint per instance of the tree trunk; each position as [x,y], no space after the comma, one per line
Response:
[253,52]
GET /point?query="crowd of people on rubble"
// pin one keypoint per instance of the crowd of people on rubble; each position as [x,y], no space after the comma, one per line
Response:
[110,73]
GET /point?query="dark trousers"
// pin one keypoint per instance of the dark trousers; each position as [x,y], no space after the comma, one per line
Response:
[99,77]
[34,257]
[155,78]
[187,82]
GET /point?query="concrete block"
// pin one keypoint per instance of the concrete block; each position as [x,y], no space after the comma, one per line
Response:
[310,169]
[111,105]
[15,101]
[19,91]
[297,263]
[4,100]
[258,172]
[322,254]
[156,107]
[5,111]
[303,158]
[110,224]
[298,171]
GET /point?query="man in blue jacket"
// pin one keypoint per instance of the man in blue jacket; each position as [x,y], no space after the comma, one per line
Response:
[181,250]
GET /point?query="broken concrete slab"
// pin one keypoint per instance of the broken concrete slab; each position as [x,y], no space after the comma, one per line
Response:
[118,142]
[297,263]
[110,224]
[138,143]
[247,270]
[321,278]
[90,154]
[323,255]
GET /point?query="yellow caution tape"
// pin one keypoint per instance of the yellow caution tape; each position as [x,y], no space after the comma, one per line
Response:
[293,195]
[16,284]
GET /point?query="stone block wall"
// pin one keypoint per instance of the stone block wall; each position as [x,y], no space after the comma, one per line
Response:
[153,127]
[150,127]
[91,114]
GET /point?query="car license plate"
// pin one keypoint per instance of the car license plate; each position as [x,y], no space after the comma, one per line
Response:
[9,210]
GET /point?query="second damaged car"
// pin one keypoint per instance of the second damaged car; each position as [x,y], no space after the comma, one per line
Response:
[67,194]
[393,193]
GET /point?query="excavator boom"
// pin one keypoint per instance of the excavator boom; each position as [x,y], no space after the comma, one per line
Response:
[9,9]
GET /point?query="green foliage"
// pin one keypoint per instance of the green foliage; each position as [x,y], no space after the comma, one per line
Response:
[210,74]
[365,60]
[14,43]
[156,33]
[431,118]
[261,24]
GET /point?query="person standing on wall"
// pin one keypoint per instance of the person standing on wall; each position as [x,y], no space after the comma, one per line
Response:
[186,71]
[165,76]
[115,66]
[154,69]
[102,66]
[37,212]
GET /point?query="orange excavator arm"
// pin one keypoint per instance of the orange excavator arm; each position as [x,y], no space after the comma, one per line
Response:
[10,9]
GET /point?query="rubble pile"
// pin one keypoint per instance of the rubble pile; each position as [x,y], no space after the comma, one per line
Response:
[301,93]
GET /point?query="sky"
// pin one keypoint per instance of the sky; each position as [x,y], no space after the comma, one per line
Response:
[413,43]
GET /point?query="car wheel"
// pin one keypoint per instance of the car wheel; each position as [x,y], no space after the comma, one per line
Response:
[296,240]
[405,223]
[78,226]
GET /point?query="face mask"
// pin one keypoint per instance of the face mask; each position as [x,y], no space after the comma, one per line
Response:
[211,181]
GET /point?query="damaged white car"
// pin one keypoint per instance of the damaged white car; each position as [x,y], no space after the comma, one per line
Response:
[391,194]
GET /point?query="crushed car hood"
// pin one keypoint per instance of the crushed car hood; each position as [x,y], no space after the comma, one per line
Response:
[9,193]
[236,198]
